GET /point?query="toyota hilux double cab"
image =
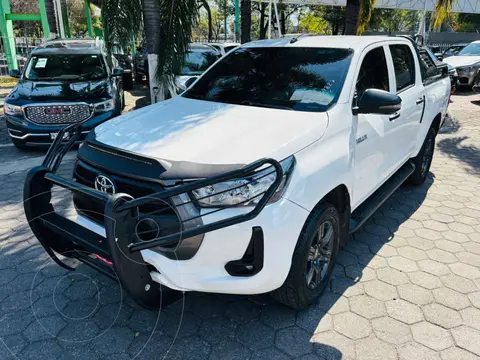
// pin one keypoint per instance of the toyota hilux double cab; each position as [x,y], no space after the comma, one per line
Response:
[252,179]
[64,82]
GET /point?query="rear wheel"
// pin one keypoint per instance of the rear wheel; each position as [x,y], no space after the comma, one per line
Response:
[313,259]
[423,160]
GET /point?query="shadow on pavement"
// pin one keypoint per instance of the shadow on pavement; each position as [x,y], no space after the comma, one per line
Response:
[465,153]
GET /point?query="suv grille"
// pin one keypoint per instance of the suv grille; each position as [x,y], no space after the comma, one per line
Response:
[58,114]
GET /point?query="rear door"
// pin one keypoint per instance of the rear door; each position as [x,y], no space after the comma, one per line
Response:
[409,86]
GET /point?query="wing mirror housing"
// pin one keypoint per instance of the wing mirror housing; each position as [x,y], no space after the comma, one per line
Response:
[190,81]
[375,101]
[118,71]
[15,73]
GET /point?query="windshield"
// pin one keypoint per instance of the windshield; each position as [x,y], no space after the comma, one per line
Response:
[66,67]
[452,50]
[472,49]
[197,62]
[302,79]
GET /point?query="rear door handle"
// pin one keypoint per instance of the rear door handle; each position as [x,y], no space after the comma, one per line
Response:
[420,101]
[394,116]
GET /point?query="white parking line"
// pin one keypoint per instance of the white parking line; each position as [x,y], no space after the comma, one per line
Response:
[5,145]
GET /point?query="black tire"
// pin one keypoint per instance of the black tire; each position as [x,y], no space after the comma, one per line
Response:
[295,293]
[423,160]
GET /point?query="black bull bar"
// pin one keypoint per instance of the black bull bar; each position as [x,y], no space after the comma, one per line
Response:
[118,254]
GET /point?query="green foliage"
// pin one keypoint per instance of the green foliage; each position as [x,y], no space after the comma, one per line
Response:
[392,20]
[312,23]
[121,19]
[442,10]
[366,10]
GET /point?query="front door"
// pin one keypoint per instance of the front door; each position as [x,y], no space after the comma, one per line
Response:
[375,144]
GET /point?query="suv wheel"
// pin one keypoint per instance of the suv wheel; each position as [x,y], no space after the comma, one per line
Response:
[313,258]
[423,160]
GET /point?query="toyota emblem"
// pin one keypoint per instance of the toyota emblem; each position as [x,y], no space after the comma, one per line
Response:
[104,184]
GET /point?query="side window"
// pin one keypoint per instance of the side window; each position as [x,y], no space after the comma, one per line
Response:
[373,72]
[404,66]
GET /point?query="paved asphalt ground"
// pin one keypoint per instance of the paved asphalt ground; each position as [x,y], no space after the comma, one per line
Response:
[406,287]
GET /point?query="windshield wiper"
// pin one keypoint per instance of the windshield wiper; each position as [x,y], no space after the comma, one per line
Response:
[271,106]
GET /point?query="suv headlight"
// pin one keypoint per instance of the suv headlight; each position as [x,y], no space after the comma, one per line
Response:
[12,109]
[245,191]
[104,106]
[468,68]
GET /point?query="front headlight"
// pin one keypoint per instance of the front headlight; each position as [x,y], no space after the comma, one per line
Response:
[468,68]
[104,106]
[12,109]
[246,191]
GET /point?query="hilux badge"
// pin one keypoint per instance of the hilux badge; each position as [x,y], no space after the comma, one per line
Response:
[104,184]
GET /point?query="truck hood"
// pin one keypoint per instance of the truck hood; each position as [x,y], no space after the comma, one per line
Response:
[196,131]
[32,91]
[457,61]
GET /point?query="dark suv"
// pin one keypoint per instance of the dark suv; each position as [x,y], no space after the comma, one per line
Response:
[64,82]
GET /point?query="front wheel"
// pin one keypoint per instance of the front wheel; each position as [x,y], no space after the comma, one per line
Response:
[313,259]
[423,160]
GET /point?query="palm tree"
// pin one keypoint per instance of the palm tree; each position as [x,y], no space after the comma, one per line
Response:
[443,8]
[358,15]
[206,6]
[359,12]
[246,20]
[167,25]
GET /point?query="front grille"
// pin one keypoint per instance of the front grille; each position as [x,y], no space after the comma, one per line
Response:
[58,114]
[86,175]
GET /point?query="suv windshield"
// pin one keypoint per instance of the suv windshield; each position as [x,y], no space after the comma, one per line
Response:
[302,79]
[66,67]
[472,49]
[197,62]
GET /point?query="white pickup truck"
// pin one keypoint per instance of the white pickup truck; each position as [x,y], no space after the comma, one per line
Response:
[252,179]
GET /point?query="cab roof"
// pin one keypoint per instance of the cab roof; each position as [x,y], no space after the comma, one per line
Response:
[336,41]
[69,46]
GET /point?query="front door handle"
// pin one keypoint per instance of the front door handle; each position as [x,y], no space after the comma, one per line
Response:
[394,116]
[420,101]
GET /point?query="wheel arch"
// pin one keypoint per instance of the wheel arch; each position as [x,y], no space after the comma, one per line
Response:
[436,123]
[340,197]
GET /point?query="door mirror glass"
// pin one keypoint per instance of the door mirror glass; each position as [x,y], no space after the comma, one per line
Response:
[190,81]
[374,101]
[15,73]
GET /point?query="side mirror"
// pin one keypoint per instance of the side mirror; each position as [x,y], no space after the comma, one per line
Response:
[374,101]
[118,71]
[190,81]
[440,57]
[15,73]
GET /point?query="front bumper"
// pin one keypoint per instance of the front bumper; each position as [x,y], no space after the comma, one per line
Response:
[227,261]
[31,134]
[466,78]
[280,225]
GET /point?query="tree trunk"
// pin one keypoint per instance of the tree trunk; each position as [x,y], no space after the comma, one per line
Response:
[51,17]
[151,25]
[263,28]
[246,20]
[283,20]
[209,15]
[352,17]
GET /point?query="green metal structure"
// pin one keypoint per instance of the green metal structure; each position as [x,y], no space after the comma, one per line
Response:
[6,28]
